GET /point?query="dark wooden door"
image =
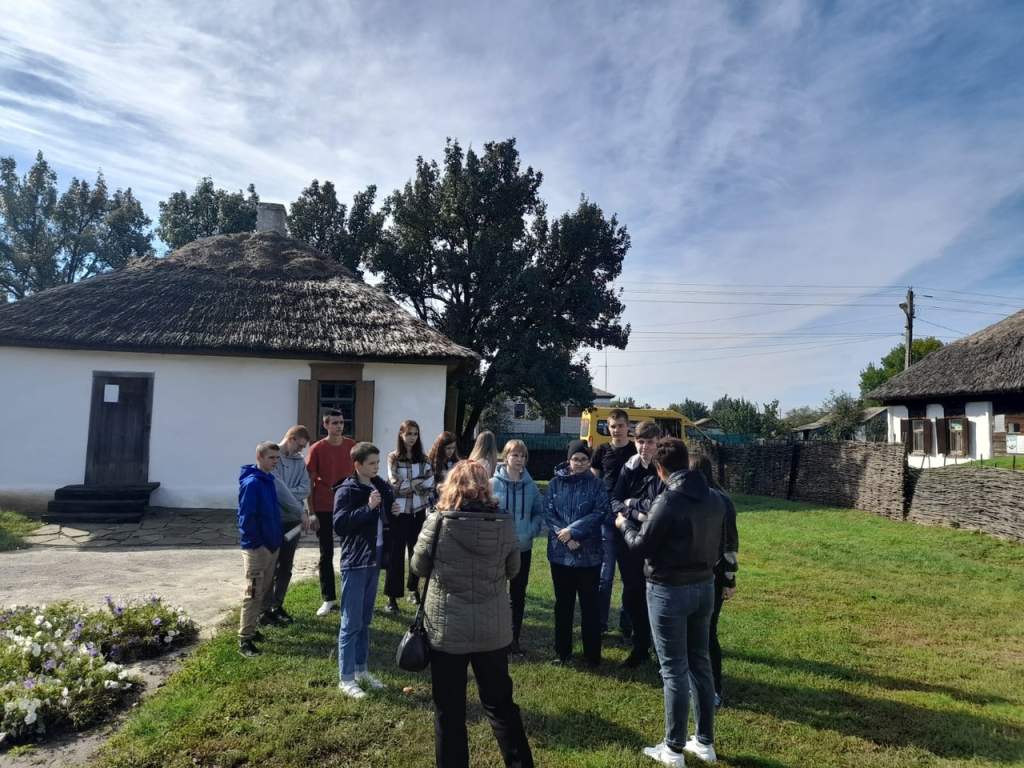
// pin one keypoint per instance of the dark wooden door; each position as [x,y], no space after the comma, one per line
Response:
[118,450]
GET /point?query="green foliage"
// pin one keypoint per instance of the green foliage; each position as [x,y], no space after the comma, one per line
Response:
[470,248]
[737,415]
[59,664]
[628,402]
[845,412]
[346,235]
[797,417]
[48,240]
[691,409]
[14,526]
[844,646]
[875,376]
[206,212]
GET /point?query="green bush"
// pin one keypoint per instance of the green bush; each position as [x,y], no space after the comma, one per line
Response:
[59,664]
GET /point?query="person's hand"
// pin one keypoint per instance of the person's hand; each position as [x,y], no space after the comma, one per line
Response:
[374,501]
[728,592]
[565,535]
[573,545]
[630,502]
[395,508]
[620,521]
[641,517]
[311,522]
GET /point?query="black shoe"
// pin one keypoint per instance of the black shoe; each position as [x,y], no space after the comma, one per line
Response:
[248,649]
[718,701]
[515,650]
[392,607]
[257,637]
[284,616]
[413,598]
[270,619]
[562,661]
[634,660]
[592,663]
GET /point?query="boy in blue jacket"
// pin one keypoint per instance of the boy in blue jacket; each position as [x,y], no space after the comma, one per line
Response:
[260,535]
[360,502]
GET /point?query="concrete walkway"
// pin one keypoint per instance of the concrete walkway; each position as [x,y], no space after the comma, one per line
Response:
[188,557]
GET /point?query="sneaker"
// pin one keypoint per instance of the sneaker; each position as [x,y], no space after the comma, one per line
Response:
[248,649]
[270,619]
[718,701]
[515,650]
[284,616]
[562,661]
[392,606]
[705,752]
[413,598]
[351,689]
[634,660]
[327,607]
[369,680]
[666,755]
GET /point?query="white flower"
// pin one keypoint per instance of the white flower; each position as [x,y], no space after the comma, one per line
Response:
[3,735]
[48,625]
[59,634]
[168,639]
[50,647]
[64,693]
[122,674]
[31,717]
[39,620]
[111,666]
[110,684]
[36,649]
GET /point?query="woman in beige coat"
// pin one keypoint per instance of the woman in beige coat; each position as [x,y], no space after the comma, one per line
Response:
[468,615]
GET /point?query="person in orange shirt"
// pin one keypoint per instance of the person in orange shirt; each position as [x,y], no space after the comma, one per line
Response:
[329,462]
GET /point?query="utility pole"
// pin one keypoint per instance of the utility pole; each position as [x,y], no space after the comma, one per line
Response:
[606,369]
[908,309]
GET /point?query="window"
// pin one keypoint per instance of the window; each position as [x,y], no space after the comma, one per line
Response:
[669,427]
[918,440]
[340,395]
[573,411]
[957,437]
[519,410]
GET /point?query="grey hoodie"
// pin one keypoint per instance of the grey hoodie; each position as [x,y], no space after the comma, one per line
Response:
[292,475]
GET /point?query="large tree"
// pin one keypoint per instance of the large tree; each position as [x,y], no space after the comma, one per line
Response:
[740,416]
[48,239]
[470,248]
[348,235]
[694,410]
[875,376]
[207,211]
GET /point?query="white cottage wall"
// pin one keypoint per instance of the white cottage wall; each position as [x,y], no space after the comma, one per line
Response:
[208,415]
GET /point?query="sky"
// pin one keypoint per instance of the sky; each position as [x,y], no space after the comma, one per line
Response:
[785,169]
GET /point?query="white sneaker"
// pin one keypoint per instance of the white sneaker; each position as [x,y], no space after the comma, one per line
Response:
[705,752]
[664,755]
[351,689]
[327,607]
[369,680]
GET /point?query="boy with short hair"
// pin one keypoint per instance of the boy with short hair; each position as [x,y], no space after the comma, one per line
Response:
[632,498]
[259,528]
[292,490]
[329,462]
[359,520]
[608,461]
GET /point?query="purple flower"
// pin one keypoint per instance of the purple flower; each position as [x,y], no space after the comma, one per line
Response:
[109,599]
[30,682]
[49,664]
[118,609]
[157,622]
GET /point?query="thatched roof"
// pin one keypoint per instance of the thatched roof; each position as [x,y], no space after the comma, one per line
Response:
[248,294]
[866,415]
[989,362]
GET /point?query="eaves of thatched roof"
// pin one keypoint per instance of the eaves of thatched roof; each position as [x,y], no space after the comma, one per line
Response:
[257,294]
[989,362]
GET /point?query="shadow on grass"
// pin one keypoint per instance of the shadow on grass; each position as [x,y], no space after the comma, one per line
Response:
[886,723]
[579,730]
[887,682]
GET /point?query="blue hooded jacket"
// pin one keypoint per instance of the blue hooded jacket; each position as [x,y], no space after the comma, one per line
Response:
[356,524]
[520,498]
[259,519]
[579,501]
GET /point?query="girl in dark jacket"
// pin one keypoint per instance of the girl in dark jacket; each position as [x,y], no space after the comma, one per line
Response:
[469,550]
[575,508]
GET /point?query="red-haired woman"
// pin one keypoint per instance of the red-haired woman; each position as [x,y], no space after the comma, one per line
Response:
[468,616]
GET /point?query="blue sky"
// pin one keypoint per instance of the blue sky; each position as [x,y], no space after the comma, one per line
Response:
[753,149]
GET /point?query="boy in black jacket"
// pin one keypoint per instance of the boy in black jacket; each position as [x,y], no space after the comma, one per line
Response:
[359,520]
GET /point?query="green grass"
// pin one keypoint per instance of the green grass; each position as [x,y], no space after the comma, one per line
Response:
[853,641]
[14,526]
[998,462]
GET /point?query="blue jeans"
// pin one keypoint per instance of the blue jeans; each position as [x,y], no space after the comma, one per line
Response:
[358,593]
[680,623]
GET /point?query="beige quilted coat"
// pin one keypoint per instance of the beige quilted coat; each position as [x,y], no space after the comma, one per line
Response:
[467,607]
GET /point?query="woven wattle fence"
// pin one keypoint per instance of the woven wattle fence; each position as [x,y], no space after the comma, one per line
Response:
[974,499]
[875,477]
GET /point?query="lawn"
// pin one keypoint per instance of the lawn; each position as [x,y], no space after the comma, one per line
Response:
[853,641]
[998,462]
[14,526]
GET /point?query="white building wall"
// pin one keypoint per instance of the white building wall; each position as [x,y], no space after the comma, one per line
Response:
[981,420]
[896,413]
[980,416]
[208,415]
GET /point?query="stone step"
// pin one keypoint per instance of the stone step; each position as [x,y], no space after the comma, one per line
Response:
[74,511]
[106,492]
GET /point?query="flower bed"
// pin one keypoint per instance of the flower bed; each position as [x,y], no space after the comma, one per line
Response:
[61,665]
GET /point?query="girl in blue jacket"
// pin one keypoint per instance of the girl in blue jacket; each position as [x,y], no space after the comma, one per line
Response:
[518,495]
[575,508]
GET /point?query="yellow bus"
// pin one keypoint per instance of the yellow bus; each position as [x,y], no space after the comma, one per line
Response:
[594,423]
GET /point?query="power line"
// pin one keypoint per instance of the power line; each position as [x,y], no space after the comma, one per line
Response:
[943,327]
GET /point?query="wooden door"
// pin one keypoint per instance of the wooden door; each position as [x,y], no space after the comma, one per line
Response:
[119,419]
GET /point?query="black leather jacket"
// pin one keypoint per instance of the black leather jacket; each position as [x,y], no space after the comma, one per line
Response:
[682,536]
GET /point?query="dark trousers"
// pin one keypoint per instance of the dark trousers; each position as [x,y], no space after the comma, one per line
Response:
[448,687]
[403,532]
[634,594]
[569,583]
[282,573]
[328,586]
[714,648]
[517,591]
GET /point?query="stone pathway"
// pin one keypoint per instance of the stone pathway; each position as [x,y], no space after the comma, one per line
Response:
[160,527]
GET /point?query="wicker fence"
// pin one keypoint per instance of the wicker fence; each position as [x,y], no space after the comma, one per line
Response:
[875,477]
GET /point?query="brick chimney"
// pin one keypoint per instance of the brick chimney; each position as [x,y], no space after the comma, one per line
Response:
[270,217]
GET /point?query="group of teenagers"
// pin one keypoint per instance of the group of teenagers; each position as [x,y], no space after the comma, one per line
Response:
[468,526]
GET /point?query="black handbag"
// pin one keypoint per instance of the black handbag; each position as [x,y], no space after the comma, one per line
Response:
[413,654]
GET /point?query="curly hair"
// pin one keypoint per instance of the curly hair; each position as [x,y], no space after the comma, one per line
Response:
[466,483]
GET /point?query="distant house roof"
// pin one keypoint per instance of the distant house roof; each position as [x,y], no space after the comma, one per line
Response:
[866,415]
[258,294]
[706,423]
[990,361]
[600,394]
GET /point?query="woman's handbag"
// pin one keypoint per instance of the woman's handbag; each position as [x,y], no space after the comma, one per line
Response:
[413,654]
